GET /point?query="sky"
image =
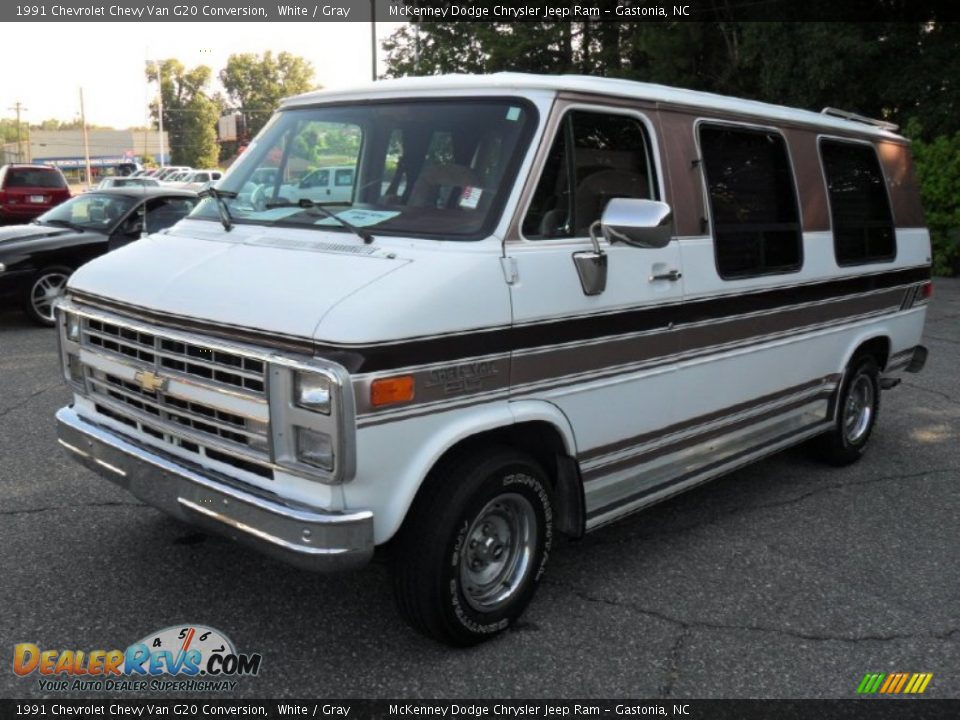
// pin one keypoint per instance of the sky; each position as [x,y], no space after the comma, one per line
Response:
[55,60]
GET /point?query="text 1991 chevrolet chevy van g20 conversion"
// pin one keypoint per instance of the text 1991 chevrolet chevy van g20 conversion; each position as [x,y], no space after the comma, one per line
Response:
[547,303]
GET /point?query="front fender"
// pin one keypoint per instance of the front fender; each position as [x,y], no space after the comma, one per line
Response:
[394,458]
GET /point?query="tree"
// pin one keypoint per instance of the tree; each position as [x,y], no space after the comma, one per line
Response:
[893,70]
[256,84]
[938,172]
[189,114]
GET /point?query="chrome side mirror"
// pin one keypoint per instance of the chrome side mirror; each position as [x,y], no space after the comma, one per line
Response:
[637,222]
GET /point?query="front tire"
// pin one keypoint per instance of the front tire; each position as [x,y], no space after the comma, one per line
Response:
[473,547]
[42,292]
[858,405]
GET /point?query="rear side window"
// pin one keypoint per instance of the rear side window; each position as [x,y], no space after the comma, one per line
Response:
[753,201]
[34,178]
[859,205]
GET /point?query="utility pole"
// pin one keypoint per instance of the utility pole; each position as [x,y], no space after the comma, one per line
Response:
[86,139]
[160,110]
[373,39]
[19,107]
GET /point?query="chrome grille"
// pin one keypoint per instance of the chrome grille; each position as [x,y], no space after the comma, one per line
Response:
[188,414]
[198,449]
[218,366]
[211,403]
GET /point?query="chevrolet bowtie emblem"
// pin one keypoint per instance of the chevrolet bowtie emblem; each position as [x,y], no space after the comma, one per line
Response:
[150,382]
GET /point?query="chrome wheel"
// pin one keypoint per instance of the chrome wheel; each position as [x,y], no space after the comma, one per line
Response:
[858,410]
[45,291]
[499,549]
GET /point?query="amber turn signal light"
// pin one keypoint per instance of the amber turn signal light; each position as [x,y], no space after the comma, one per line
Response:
[391,390]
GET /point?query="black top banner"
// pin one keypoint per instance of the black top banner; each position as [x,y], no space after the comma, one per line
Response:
[873,709]
[481,11]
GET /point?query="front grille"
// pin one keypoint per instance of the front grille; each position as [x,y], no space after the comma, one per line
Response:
[189,417]
[143,426]
[225,368]
[188,414]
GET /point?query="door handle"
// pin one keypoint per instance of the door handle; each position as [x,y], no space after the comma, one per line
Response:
[671,275]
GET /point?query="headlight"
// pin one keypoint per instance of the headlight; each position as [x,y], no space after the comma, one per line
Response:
[314,448]
[72,322]
[3,268]
[312,392]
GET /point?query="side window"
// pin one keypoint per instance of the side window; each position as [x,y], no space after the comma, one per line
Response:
[343,178]
[859,206]
[166,212]
[596,157]
[753,201]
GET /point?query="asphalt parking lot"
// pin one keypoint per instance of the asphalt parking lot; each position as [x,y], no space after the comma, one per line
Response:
[787,579]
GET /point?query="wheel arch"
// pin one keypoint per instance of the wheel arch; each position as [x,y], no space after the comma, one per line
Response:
[537,428]
[877,343]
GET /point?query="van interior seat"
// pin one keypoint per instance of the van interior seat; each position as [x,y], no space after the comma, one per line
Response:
[597,189]
[433,179]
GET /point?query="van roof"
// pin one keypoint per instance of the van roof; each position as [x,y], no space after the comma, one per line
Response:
[404,87]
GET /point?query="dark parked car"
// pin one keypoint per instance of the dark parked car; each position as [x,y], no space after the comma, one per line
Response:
[26,191]
[37,259]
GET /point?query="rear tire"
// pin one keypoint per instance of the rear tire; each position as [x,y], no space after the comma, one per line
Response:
[473,547]
[858,405]
[42,291]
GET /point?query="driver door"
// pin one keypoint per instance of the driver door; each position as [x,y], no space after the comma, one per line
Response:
[605,359]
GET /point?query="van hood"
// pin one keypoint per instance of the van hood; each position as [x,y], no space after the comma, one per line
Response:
[262,278]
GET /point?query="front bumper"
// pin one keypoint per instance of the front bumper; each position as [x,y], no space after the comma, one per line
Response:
[306,537]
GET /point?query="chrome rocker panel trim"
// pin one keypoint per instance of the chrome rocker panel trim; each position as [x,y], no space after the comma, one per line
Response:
[308,538]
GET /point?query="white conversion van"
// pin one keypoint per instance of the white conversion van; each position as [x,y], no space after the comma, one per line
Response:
[544,304]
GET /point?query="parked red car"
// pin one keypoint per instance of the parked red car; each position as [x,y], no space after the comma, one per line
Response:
[27,191]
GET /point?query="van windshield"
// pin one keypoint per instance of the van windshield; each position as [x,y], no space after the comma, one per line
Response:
[438,168]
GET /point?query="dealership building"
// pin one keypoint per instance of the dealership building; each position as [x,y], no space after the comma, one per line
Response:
[108,149]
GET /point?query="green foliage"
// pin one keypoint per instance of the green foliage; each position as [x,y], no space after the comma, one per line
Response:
[257,83]
[938,171]
[886,70]
[189,114]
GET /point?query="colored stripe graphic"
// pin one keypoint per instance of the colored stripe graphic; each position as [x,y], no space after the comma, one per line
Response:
[894,683]
[903,679]
[891,681]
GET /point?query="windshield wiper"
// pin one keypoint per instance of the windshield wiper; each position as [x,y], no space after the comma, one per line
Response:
[311,205]
[218,198]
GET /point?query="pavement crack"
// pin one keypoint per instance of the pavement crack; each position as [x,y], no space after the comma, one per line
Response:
[688,625]
[55,508]
[942,339]
[945,396]
[673,670]
[734,512]
[28,398]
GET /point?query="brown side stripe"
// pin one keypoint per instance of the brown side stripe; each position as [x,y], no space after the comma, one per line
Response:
[697,439]
[610,448]
[423,351]
[447,348]
[596,512]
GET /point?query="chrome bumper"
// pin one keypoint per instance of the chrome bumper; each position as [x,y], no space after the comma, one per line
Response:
[302,536]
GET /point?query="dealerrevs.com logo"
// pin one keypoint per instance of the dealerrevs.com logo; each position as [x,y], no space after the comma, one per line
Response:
[180,658]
